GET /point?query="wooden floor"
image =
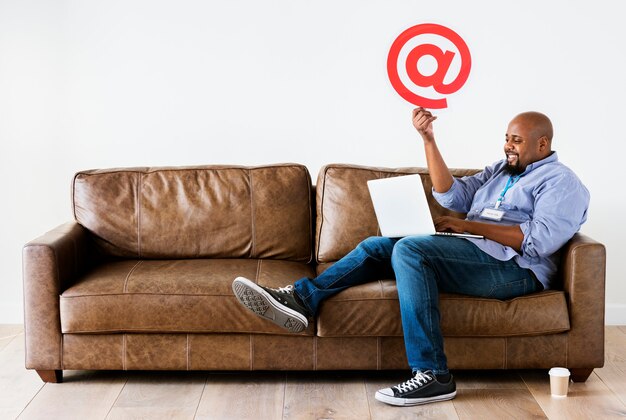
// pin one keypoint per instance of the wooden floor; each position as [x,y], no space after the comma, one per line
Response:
[297,395]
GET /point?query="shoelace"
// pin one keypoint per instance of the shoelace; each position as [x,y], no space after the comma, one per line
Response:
[414,382]
[286,289]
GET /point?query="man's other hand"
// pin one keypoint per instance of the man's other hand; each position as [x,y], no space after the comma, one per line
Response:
[508,235]
[450,224]
[423,123]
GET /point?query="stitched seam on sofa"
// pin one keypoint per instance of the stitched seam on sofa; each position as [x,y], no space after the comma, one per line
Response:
[546,294]
[138,204]
[106,172]
[258,271]
[505,361]
[310,206]
[126,331]
[399,334]
[409,170]
[135,330]
[74,195]
[252,215]
[363,299]
[62,344]
[152,170]
[449,298]
[380,284]
[446,334]
[251,352]
[75,246]
[535,333]
[58,282]
[314,352]
[469,299]
[380,170]
[379,348]
[321,216]
[223,167]
[125,289]
[144,294]
[337,335]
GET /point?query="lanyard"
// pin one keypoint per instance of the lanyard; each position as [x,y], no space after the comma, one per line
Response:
[512,180]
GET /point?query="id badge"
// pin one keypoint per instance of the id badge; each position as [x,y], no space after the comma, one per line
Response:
[492,214]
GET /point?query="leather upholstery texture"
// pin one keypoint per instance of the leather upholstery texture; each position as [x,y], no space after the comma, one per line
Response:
[172,296]
[296,352]
[372,310]
[198,212]
[345,214]
[142,279]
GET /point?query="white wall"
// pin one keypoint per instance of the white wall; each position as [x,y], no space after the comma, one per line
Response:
[93,84]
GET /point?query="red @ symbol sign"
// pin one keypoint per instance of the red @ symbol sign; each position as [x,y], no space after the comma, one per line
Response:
[443,59]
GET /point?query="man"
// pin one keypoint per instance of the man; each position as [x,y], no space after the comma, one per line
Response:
[526,206]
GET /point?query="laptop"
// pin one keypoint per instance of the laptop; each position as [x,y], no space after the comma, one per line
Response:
[402,209]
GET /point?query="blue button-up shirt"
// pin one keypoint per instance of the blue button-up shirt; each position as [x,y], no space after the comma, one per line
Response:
[548,202]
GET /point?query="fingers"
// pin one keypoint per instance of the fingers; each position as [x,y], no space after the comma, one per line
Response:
[422,118]
[440,223]
[419,112]
[448,224]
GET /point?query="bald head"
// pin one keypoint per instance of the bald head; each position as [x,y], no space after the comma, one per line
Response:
[539,123]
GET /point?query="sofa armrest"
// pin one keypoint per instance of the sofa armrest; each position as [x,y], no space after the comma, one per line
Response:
[50,263]
[584,269]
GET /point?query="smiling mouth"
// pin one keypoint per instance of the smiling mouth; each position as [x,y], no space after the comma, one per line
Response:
[511,158]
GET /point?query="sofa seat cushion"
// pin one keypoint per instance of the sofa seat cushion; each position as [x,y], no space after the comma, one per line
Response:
[373,309]
[172,296]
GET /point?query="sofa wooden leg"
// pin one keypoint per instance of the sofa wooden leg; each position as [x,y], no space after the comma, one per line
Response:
[54,376]
[580,375]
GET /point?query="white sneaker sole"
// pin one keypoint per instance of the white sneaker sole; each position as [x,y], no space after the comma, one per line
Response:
[253,297]
[403,402]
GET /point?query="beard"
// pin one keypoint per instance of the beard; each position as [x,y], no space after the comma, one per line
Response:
[514,169]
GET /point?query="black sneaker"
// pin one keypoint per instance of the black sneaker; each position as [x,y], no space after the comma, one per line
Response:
[280,306]
[421,389]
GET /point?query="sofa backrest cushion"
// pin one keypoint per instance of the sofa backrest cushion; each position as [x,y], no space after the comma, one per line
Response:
[198,212]
[345,214]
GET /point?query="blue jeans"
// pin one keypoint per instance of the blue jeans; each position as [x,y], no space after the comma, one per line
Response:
[422,266]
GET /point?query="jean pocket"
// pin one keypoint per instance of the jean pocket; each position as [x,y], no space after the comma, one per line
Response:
[509,290]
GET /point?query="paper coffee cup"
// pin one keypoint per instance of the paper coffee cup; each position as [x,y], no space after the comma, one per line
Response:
[559,381]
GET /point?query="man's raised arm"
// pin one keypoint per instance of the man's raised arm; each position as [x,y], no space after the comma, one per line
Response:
[439,172]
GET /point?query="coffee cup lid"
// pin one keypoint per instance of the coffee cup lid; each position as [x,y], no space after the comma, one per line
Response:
[559,371]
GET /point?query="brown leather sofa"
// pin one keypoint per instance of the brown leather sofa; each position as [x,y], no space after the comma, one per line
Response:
[142,280]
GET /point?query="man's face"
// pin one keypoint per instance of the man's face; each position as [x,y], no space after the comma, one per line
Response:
[521,146]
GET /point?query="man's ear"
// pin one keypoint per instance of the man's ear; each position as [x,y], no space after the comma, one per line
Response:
[544,144]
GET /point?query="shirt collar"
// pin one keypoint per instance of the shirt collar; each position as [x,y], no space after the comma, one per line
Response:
[553,157]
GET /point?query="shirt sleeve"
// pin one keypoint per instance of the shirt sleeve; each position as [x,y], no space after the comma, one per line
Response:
[460,196]
[560,209]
